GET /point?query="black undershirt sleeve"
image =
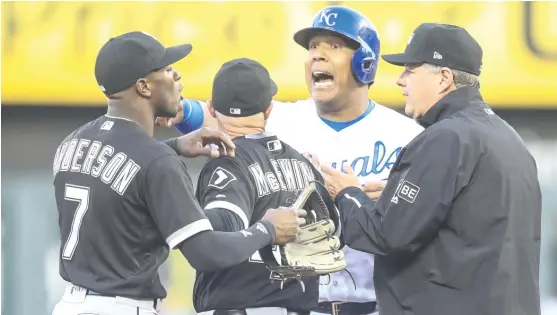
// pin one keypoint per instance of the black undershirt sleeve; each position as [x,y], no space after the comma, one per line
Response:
[210,251]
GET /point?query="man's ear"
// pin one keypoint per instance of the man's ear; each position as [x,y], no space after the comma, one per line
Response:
[142,87]
[268,111]
[447,79]
[211,108]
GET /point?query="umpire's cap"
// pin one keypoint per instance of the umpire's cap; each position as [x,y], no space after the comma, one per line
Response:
[443,45]
[126,58]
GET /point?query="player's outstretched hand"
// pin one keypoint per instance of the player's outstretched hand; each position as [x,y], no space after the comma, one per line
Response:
[196,143]
[335,181]
[373,189]
[287,223]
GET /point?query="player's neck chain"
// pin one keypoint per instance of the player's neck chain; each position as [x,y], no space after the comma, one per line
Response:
[112,117]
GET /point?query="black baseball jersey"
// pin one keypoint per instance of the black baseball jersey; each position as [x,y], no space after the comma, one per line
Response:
[123,200]
[266,173]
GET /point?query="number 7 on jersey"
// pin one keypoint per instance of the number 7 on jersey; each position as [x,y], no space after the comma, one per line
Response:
[80,195]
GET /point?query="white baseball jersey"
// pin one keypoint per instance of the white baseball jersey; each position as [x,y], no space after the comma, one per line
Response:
[370,145]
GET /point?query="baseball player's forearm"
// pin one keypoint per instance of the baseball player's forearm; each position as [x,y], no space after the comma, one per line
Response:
[210,251]
[196,115]
[224,220]
[173,143]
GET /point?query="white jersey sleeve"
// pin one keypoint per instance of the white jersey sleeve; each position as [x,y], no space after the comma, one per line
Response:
[289,119]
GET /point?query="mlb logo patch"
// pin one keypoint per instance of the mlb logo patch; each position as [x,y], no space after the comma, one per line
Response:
[408,191]
[107,125]
[274,145]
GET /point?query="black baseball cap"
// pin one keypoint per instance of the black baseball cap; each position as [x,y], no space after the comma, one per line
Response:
[126,58]
[242,87]
[443,45]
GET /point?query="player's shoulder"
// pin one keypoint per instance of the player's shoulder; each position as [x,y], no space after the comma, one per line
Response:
[132,140]
[250,149]
[85,128]
[153,149]
[244,148]
[385,112]
[395,119]
[249,143]
[218,172]
[296,108]
[306,105]
[294,114]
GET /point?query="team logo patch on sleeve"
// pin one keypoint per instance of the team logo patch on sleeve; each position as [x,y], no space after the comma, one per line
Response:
[220,178]
[408,191]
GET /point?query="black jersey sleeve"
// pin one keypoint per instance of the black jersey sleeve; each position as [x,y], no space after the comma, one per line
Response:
[215,250]
[173,144]
[170,199]
[224,183]
[224,220]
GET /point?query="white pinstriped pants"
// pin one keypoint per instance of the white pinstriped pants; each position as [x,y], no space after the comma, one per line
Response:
[75,301]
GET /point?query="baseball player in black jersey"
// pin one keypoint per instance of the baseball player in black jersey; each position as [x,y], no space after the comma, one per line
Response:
[124,199]
[235,192]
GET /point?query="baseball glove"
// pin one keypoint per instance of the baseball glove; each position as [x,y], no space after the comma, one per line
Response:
[316,250]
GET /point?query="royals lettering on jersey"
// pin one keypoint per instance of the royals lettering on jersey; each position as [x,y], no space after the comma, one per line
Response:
[380,161]
[291,175]
[100,161]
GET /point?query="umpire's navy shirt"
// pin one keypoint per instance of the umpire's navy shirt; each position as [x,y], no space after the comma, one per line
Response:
[457,229]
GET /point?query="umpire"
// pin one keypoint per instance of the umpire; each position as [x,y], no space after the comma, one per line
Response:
[457,228]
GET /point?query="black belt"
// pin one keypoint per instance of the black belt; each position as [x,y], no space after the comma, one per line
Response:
[89,292]
[155,301]
[243,312]
[349,308]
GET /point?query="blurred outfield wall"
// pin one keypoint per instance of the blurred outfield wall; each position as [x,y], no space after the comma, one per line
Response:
[49,48]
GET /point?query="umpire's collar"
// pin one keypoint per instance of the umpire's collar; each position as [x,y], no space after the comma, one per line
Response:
[453,102]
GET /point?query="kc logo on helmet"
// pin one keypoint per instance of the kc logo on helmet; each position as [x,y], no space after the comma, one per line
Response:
[328,18]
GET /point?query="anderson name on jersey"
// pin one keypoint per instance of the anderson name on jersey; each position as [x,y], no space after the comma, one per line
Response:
[97,160]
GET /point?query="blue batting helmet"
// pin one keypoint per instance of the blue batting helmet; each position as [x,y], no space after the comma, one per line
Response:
[354,26]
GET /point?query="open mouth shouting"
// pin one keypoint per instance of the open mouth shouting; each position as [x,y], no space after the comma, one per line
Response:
[322,79]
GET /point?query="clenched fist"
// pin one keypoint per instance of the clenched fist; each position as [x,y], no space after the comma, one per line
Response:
[287,223]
